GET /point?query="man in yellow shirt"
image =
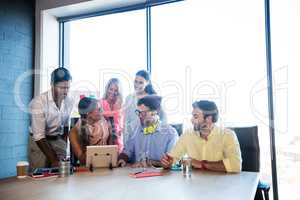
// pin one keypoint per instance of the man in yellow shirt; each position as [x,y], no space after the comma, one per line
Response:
[210,147]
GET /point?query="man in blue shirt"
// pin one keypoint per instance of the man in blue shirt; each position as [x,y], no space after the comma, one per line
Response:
[151,139]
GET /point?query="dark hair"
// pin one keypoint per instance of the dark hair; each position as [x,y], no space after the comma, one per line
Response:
[151,101]
[59,75]
[209,108]
[149,89]
[143,74]
[84,134]
[86,105]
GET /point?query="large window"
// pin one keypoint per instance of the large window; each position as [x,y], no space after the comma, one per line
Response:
[219,55]
[286,48]
[203,50]
[213,50]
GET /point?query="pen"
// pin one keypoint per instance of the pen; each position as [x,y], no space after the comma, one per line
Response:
[138,172]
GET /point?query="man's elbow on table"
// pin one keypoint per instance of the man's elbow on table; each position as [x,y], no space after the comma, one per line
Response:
[232,166]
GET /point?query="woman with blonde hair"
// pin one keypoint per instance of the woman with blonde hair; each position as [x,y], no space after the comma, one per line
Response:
[111,104]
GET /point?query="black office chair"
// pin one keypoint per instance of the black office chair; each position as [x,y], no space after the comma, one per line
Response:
[249,144]
[178,128]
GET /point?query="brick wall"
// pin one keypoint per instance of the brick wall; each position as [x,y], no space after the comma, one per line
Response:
[16,57]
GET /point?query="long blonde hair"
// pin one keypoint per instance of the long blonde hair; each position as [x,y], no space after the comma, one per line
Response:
[110,82]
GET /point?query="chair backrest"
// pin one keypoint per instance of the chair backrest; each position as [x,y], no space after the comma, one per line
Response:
[178,128]
[249,144]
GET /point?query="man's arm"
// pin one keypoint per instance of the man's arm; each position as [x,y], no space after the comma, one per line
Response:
[38,124]
[48,151]
[232,152]
[177,151]
[206,165]
[149,163]
[127,153]
[232,157]
[166,161]
[155,163]
[172,140]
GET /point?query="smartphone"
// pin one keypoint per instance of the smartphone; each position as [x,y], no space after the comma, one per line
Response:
[40,172]
[45,172]
[54,170]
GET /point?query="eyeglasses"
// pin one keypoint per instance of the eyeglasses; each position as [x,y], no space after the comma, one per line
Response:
[142,113]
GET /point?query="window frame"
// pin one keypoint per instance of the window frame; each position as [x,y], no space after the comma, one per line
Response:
[147,6]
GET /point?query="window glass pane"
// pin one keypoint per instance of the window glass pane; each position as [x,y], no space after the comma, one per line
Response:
[285,31]
[104,47]
[213,50]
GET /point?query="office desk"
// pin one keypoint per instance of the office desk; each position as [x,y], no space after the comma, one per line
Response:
[116,184]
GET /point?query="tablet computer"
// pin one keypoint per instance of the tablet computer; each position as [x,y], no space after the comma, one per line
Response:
[102,156]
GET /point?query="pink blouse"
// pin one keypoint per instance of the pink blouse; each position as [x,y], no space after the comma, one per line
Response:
[115,112]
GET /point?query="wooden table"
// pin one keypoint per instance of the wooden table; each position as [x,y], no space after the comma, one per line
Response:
[116,184]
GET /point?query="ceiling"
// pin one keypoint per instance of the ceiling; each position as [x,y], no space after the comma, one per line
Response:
[72,9]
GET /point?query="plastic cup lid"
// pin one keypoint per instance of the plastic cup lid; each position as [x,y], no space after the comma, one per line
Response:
[22,163]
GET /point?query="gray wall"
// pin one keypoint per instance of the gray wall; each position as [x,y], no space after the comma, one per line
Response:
[16,57]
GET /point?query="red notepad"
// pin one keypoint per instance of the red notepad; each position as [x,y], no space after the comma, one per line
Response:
[145,174]
[44,176]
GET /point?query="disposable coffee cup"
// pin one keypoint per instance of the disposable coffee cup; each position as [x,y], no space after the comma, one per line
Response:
[22,169]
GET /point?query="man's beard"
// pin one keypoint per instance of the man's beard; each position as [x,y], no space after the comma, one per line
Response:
[147,123]
[62,97]
[201,128]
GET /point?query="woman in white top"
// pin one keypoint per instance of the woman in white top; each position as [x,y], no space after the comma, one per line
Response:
[142,87]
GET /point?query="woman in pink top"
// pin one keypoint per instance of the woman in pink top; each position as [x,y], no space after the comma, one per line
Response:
[111,104]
